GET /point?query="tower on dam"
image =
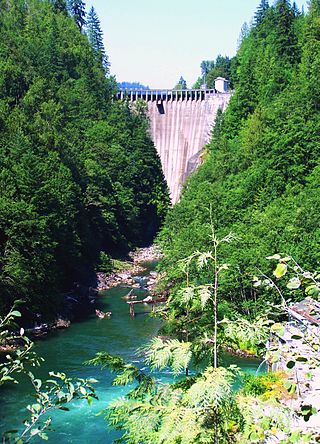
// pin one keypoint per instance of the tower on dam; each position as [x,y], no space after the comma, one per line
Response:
[180,124]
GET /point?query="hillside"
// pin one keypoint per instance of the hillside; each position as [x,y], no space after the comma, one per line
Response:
[261,175]
[79,173]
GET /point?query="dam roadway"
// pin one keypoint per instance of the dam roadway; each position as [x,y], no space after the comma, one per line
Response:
[181,123]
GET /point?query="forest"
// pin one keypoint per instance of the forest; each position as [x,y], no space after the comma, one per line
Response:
[80,176]
[81,181]
[242,242]
[260,175]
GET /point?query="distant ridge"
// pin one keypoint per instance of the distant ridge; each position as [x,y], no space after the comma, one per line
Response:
[132,85]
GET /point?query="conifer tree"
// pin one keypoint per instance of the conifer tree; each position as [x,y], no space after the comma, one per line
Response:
[286,39]
[295,9]
[77,9]
[60,5]
[261,12]
[95,37]
[244,32]
[314,7]
[182,84]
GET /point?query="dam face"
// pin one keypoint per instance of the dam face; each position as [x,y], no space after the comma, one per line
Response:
[180,125]
[180,129]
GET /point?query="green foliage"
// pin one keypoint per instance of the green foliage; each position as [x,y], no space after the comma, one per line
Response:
[105,263]
[196,410]
[220,68]
[19,358]
[172,353]
[248,336]
[119,265]
[79,172]
[262,173]
[182,84]
[264,420]
[126,374]
[258,385]
[211,69]
[77,9]
[95,37]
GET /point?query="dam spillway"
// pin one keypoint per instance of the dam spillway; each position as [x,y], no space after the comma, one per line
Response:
[180,126]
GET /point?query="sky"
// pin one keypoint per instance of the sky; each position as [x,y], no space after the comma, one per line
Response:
[156,42]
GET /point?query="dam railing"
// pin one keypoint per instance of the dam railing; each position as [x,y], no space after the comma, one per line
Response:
[155,95]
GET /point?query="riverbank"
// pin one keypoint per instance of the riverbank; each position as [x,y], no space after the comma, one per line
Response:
[130,270]
[82,300]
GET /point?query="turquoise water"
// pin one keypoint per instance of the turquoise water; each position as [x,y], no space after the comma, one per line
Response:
[68,349]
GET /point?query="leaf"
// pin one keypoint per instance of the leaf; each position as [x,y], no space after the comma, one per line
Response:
[280,270]
[34,432]
[36,407]
[15,313]
[291,364]
[253,435]
[312,290]
[275,256]
[307,275]
[301,359]
[83,390]
[294,283]
[6,378]
[296,337]
[278,328]
[187,294]
[295,436]
[205,296]
[290,386]
[203,259]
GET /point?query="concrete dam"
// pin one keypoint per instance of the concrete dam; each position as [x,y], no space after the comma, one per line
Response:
[180,125]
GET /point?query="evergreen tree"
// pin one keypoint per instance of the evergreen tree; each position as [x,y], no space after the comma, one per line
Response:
[222,68]
[243,33]
[71,160]
[95,36]
[286,41]
[261,12]
[60,5]
[262,170]
[77,9]
[206,66]
[182,84]
[295,9]
[314,7]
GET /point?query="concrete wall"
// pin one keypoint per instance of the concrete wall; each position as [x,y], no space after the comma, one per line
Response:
[180,129]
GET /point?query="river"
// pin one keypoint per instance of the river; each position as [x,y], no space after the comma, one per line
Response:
[66,351]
